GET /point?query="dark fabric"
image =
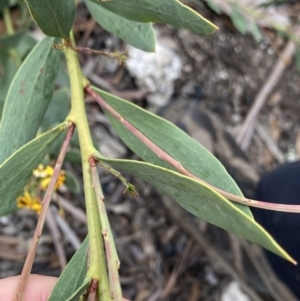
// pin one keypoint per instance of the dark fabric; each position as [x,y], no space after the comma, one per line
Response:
[282,186]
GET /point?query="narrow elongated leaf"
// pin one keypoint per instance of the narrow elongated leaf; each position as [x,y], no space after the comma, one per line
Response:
[28,98]
[58,108]
[239,21]
[16,170]
[81,292]
[256,33]
[168,11]
[137,34]
[73,276]
[25,45]
[192,155]
[201,201]
[55,17]
[213,6]
[12,50]
[21,41]
[71,182]
[11,41]
[9,68]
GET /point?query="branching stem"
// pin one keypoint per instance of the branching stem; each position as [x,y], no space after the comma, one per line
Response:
[97,267]
[129,187]
[120,56]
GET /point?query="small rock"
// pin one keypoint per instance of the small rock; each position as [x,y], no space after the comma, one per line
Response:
[155,72]
[233,292]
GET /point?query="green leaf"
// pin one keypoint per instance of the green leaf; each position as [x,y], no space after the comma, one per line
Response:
[25,45]
[55,17]
[28,98]
[81,292]
[256,33]
[74,156]
[17,169]
[63,77]
[58,108]
[192,155]
[73,276]
[239,21]
[12,49]
[72,183]
[8,67]
[201,201]
[137,34]
[11,41]
[212,5]
[56,113]
[170,12]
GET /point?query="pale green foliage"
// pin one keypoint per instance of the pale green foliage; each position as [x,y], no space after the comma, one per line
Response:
[16,170]
[28,98]
[139,35]
[55,17]
[196,198]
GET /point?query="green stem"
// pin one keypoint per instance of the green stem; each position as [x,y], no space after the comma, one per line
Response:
[97,267]
[8,22]
[129,187]
[10,31]
[78,113]
[113,262]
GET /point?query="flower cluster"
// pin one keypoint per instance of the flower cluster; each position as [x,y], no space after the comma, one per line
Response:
[28,202]
[45,174]
[35,189]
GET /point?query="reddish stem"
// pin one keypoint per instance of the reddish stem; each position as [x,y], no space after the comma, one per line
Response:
[177,165]
[39,228]
[93,290]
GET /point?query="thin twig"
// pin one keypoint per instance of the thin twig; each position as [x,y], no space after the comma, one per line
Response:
[120,56]
[269,142]
[178,269]
[217,260]
[76,212]
[66,229]
[113,262]
[247,129]
[56,238]
[177,165]
[39,228]
[129,187]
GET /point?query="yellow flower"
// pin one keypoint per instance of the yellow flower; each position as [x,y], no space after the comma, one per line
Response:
[46,173]
[37,207]
[42,172]
[28,202]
